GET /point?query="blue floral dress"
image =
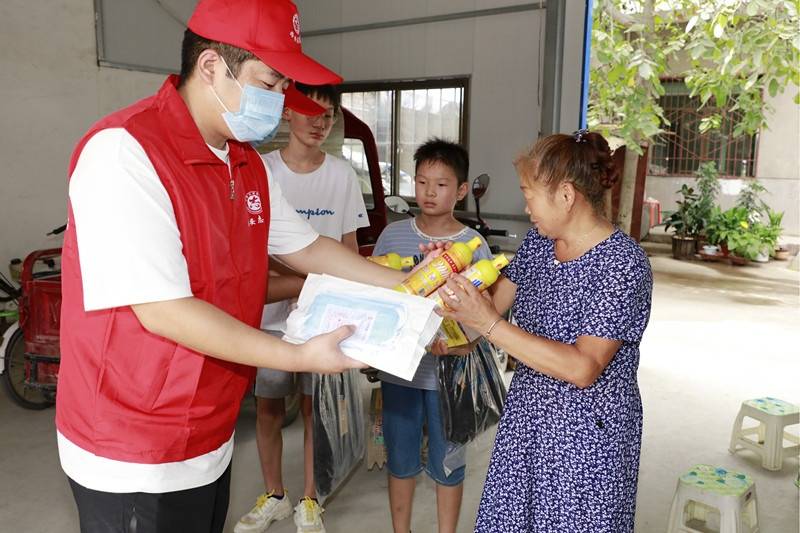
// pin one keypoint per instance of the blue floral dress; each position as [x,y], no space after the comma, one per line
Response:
[567,459]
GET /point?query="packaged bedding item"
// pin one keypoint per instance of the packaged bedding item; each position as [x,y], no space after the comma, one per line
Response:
[391,329]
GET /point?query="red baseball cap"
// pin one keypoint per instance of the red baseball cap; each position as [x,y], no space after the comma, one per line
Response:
[270,29]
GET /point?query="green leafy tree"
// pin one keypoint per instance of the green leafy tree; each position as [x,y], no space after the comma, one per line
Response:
[731,53]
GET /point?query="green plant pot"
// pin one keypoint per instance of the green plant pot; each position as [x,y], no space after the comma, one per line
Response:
[683,247]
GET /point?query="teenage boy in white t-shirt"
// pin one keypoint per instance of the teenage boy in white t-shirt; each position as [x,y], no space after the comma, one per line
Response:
[324,190]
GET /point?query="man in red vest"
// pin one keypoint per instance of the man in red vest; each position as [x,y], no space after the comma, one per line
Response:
[171,216]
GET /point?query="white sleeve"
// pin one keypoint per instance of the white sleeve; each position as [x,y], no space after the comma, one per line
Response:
[129,244]
[288,233]
[355,212]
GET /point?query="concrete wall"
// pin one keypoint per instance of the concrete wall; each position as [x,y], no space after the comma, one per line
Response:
[501,54]
[52,92]
[777,167]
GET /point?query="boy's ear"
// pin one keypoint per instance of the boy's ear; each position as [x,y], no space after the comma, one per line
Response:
[463,189]
[285,113]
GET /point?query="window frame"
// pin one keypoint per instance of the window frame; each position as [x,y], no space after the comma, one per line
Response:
[395,87]
[756,140]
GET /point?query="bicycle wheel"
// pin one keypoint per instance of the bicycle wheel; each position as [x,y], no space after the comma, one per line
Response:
[14,376]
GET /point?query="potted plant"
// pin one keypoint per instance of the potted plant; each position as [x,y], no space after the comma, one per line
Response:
[773,232]
[687,222]
[733,231]
[782,253]
[708,189]
[750,199]
[764,223]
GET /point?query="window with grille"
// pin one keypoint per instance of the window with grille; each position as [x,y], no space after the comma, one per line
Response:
[682,148]
[402,116]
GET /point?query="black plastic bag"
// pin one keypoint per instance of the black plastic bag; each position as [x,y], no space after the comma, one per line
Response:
[471,393]
[339,433]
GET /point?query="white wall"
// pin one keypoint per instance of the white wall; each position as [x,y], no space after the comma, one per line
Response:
[52,92]
[53,89]
[777,167]
[500,52]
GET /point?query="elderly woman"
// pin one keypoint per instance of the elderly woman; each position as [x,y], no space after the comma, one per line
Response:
[566,455]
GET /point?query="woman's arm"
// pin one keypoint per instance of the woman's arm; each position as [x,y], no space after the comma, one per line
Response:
[580,364]
[503,292]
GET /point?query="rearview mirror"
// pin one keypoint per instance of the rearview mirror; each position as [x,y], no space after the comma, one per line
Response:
[480,185]
[398,205]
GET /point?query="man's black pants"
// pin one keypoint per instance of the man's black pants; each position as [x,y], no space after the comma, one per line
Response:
[198,510]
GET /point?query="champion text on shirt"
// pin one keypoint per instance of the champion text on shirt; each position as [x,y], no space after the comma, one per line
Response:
[315,212]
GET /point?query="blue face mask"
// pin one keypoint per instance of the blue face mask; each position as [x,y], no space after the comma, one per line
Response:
[259,113]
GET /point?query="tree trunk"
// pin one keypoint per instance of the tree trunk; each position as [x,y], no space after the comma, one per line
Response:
[627,191]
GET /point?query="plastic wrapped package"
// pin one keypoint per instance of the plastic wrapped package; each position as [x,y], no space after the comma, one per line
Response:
[339,430]
[472,393]
[391,329]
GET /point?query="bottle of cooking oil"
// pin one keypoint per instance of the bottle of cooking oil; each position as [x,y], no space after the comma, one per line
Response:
[433,275]
[482,275]
[394,261]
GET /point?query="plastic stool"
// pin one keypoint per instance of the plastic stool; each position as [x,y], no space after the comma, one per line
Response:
[708,496]
[773,416]
[654,208]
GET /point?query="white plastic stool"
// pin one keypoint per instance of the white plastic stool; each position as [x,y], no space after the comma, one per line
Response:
[773,416]
[707,496]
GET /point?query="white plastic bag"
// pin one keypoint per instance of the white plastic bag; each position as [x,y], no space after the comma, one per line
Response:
[392,328]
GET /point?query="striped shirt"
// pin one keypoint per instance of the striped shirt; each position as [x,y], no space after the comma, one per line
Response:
[404,238]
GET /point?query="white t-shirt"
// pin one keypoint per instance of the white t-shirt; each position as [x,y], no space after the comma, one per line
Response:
[329,198]
[131,253]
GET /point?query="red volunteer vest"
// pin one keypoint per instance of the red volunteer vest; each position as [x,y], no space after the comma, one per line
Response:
[127,394]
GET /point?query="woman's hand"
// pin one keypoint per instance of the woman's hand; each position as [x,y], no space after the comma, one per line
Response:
[466,304]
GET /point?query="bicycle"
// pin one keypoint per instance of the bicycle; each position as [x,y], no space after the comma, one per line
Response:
[30,348]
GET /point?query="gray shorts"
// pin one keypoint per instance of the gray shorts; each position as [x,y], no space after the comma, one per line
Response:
[276,384]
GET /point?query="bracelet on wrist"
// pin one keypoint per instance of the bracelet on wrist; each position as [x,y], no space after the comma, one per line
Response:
[489,330]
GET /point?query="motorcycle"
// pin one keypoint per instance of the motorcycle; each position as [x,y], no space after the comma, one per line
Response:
[30,345]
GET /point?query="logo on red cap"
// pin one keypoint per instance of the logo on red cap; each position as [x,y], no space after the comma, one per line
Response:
[295,33]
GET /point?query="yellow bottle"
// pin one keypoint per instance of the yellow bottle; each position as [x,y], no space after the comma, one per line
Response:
[426,280]
[482,275]
[394,261]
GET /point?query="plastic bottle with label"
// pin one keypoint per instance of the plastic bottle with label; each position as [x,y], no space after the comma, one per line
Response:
[433,275]
[482,275]
[394,261]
